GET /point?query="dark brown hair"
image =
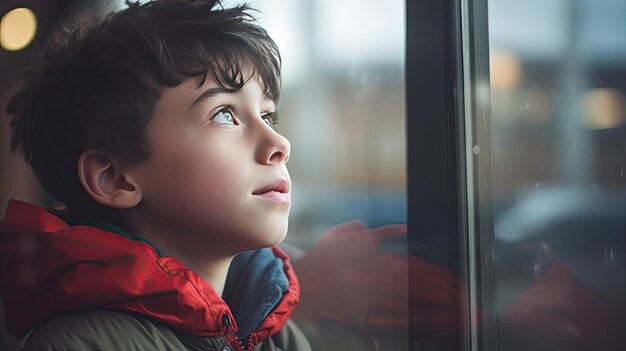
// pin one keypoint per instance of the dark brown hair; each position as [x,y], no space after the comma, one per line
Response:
[95,86]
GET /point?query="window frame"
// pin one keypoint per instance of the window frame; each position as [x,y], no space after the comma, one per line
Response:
[447,67]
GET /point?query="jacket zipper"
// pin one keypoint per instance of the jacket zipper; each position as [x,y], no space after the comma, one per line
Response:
[227,324]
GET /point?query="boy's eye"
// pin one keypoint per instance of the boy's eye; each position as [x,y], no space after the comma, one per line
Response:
[270,119]
[223,117]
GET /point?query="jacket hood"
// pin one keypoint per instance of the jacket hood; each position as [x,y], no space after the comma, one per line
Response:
[49,268]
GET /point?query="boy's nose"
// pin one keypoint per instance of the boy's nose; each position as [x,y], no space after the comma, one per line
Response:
[273,148]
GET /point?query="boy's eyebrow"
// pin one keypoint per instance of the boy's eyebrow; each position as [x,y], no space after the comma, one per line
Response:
[210,93]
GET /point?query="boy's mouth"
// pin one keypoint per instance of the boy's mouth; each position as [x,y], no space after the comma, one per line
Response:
[280,186]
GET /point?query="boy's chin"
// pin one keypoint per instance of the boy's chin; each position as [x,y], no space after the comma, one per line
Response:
[279,238]
[269,240]
[237,239]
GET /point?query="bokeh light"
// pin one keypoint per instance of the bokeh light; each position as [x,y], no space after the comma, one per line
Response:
[17,29]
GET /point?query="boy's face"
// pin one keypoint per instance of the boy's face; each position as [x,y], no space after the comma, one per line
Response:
[216,179]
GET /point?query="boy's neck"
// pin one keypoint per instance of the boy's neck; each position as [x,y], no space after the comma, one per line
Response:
[214,271]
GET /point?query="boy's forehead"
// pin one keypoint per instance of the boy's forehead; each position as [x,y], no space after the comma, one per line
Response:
[219,69]
[250,78]
[195,90]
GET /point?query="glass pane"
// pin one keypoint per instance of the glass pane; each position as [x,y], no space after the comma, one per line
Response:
[342,108]
[558,188]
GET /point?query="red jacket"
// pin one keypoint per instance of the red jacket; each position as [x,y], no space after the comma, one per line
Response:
[50,268]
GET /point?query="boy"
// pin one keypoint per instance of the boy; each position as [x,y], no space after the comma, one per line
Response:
[155,129]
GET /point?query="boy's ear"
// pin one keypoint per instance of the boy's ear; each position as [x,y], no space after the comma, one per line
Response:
[104,179]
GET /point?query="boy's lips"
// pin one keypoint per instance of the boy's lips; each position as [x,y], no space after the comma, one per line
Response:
[276,192]
[280,186]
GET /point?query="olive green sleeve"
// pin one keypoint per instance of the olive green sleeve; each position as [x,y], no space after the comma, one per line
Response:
[101,330]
